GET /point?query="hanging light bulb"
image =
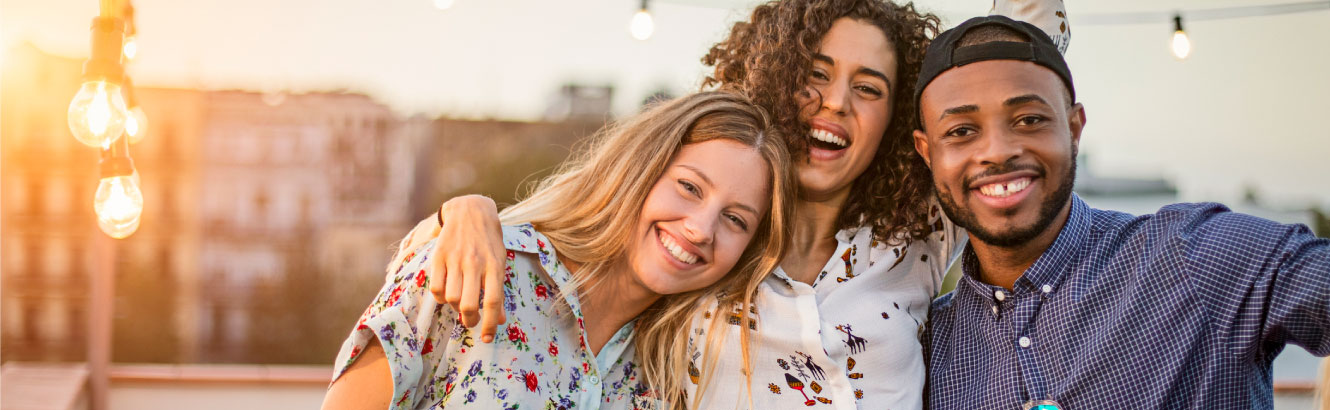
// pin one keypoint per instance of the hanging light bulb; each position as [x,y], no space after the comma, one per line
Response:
[443,4]
[136,123]
[97,113]
[118,201]
[1181,44]
[119,205]
[131,47]
[641,25]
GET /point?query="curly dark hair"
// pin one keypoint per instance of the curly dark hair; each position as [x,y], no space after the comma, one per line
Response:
[769,58]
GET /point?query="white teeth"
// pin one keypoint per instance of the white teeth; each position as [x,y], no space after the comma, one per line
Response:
[1005,189]
[828,137]
[676,251]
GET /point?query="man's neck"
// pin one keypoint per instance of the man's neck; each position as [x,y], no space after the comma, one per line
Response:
[1002,266]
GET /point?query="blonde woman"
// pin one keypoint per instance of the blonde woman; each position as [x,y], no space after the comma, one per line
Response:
[606,262]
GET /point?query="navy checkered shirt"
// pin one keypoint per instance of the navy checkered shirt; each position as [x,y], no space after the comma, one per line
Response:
[1182,309]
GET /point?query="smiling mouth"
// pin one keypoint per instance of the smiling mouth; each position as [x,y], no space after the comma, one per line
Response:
[1005,189]
[676,251]
[823,139]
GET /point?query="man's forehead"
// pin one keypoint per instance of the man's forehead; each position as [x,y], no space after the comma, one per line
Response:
[989,82]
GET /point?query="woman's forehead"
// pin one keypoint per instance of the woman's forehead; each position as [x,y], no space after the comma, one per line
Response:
[858,43]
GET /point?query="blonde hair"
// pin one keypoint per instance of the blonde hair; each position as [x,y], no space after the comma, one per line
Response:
[590,206]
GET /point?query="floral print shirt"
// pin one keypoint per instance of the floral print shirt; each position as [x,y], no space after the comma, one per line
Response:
[851,339]
[540,360]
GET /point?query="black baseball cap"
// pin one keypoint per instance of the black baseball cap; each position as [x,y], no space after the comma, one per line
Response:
[943,53]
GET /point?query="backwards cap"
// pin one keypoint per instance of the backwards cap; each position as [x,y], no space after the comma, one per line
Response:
[944,53]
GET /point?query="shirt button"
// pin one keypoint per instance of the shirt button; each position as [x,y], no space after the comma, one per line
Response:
[994,310]
[593,380]
[1000,295]
[1047,289]
[1023,341]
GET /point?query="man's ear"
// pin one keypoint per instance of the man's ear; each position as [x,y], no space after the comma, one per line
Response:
[921,146]
[1075,121]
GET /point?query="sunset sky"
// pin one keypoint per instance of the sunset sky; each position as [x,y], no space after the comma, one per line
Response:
[1244,110]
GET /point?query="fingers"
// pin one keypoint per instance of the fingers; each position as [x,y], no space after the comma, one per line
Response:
[493,314]
[470,303]
[438,274]
[452,293]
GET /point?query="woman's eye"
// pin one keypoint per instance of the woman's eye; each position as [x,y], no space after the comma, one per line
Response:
[819,75]
[869,90]
[738,221]
[692,189]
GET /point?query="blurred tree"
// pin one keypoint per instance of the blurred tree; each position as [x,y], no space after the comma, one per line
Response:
[1320,223]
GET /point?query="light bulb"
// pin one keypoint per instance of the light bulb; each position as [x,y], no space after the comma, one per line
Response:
[1181,45]
[136,125]
[131,47]
[443,4]
[97,114]
[641,26]
[119,204]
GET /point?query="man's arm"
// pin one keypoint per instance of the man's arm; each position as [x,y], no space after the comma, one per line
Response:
[1266,284]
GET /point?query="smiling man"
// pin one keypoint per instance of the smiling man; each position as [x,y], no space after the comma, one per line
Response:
[1066,307]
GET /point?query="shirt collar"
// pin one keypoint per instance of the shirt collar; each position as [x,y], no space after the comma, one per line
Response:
[525,238]
[1052,265]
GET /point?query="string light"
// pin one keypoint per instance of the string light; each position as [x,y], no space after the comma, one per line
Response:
[641,26]
[119,201]
[131,47]
[1181,44]
[136,123]
[97,113]
[119,205]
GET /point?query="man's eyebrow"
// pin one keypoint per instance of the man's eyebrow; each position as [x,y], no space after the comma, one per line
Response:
[1025,99]
[964,109]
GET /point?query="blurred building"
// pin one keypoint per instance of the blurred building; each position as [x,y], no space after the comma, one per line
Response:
[303,192]
[267,220]
[47,181]
[578,102]
[499,159]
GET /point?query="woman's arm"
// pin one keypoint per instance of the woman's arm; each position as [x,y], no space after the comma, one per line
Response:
[472,260]
[367,384]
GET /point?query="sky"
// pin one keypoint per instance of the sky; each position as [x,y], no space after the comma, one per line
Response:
[1245,110]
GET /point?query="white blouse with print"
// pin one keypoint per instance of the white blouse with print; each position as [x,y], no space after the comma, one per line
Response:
[850,339]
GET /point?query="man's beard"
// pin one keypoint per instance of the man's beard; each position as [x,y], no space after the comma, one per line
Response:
[1048,211]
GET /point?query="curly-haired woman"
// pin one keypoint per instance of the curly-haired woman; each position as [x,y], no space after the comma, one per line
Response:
[837,324]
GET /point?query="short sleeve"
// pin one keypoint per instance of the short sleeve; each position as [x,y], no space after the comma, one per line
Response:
[401,318]
[1265,284]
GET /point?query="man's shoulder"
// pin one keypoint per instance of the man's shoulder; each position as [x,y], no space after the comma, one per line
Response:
[1172,219]
[941,309]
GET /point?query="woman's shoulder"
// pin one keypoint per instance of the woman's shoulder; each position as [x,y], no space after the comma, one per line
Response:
[527,245]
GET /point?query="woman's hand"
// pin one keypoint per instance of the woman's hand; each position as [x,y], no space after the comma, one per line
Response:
[474,257]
